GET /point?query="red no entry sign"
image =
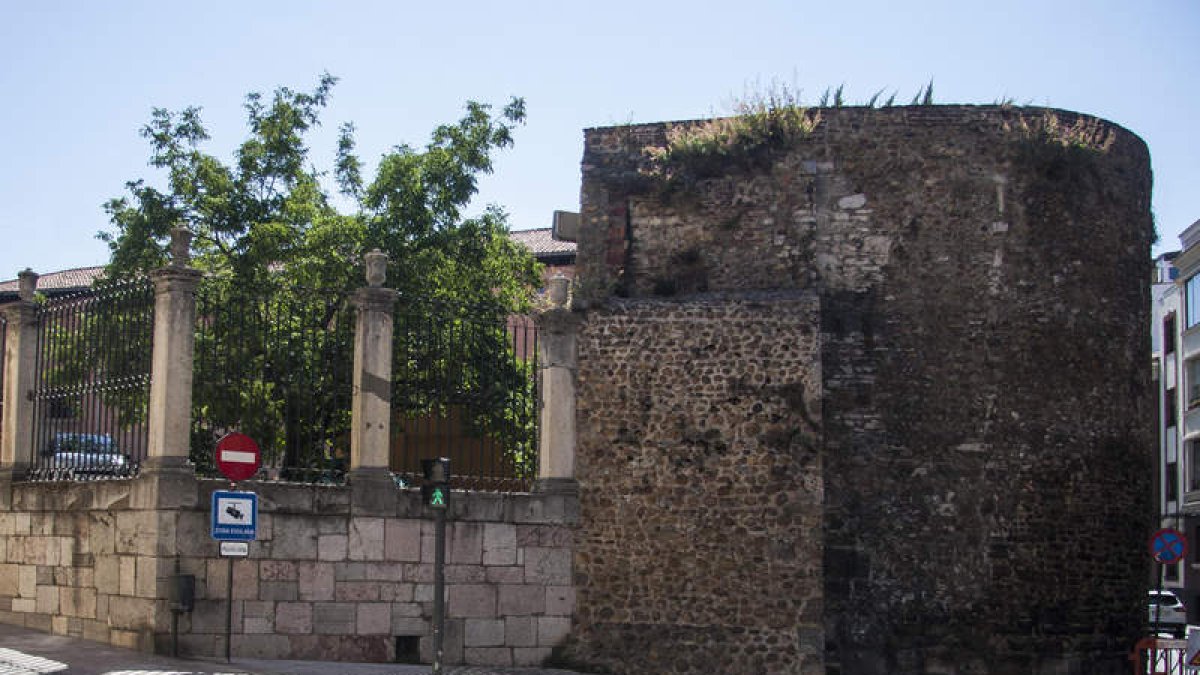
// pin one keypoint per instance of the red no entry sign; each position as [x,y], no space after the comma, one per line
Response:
[237,456]
[1168,546]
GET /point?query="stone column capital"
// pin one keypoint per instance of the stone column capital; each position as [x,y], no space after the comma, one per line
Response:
[557,320]
[375,299]
[557,330]
[21,312]
[175,279]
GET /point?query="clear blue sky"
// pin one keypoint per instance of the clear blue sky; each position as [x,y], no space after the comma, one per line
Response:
[80,78]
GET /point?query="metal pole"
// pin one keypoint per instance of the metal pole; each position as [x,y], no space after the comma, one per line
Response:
[229,601]
[439,589]
[229,614]
[1158,604]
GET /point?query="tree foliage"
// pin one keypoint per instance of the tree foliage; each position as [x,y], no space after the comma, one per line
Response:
[267,217]
[265,224]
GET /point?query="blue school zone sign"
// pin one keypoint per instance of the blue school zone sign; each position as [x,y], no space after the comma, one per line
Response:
[234,516]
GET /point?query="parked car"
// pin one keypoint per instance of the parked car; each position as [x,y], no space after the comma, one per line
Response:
[1169,612]
[74,455]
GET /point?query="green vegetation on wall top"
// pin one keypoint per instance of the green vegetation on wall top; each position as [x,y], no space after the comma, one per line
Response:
[764,120]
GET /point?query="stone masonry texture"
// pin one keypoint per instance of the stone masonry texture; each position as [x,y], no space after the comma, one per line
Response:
[876,402]
[325,580]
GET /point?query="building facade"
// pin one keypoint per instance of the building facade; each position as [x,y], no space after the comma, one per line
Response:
[1175,333]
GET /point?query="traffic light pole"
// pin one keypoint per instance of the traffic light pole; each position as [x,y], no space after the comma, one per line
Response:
[435,492]
[439,588]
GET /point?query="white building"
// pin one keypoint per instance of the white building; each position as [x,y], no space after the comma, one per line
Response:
[1175,332]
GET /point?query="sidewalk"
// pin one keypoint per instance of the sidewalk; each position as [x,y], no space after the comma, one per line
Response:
[29,652]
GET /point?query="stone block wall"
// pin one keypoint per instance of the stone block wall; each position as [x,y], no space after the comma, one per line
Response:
[981,281]
[77,559]
[334,575]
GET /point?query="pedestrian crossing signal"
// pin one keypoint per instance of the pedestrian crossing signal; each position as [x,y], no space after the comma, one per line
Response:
[435,489]
[435,496]
[439,497]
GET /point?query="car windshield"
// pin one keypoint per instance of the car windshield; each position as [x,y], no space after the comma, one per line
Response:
[98,444]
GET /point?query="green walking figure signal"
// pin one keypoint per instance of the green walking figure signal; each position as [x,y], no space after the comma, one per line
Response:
[437,497]
[435,488]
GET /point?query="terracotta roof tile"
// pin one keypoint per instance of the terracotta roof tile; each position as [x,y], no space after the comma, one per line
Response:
[61,282]
[538,241]
[541,243]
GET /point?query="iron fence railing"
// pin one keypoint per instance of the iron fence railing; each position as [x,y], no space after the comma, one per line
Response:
[1159,656]
[465,387]
[92,382]
[275,364]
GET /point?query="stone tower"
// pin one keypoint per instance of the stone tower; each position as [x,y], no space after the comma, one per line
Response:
[873,398]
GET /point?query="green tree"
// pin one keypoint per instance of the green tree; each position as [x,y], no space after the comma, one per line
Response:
[265,225]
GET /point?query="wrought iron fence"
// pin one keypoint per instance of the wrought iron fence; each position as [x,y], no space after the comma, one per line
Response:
[1159,656]
[276,365]
[92,383]
[465,387]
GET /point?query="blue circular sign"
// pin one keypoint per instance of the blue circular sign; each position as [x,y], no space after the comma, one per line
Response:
[1168,546]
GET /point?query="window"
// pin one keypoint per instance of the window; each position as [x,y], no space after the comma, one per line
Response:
[1192,297]
[1171,489]
[1193,456]
[1191,371]
[1169,408]
[1169,334]
[1171,572]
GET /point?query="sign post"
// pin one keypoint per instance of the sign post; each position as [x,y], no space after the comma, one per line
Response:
[1167,546]
[436,492]
[235,514]
[235,525]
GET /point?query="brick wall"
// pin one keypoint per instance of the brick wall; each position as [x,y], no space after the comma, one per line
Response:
[334,575]
[984,451]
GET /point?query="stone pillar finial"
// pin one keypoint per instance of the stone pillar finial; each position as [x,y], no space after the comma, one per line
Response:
[376,268]
[181,246]
[559,287]
[26,284]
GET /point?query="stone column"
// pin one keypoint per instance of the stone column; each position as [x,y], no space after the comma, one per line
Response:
[170,414]
[371,406]
[20,361]
[558,359]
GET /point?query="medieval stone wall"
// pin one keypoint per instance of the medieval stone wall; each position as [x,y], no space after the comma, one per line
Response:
[980,275]
[698,433]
